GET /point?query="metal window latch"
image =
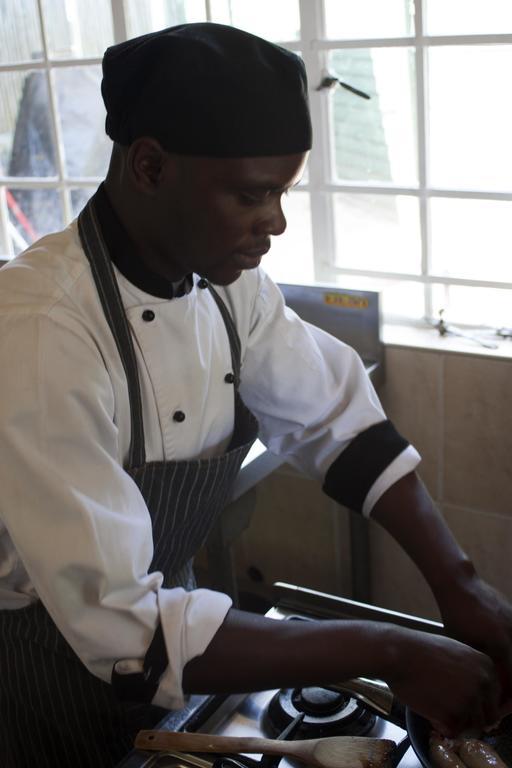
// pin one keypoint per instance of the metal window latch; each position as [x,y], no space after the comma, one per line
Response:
[445,330]
[441,325]
[329,82]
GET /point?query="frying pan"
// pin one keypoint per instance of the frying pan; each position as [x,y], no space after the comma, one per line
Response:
[380,699]
[419,731]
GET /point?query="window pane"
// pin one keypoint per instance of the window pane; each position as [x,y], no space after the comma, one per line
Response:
[82,121]
[470,117]
[79,198]
[488,307]
[379,232]
[144,16]
[403,300]
[20,32]
[471,238]
[375,139]
[77,28]
[26,135]
[266,18]
[467,17]
[32,213]
[291,256]
[368,18]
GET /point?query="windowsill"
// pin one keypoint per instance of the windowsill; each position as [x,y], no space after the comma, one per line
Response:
[429,339]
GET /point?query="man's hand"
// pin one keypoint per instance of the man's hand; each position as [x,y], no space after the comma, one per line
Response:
[472,611]
[447,682]
[475,613]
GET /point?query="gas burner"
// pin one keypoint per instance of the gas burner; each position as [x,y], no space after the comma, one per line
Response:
[326,713]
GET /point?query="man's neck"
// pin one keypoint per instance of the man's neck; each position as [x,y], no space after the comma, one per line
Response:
[124,237]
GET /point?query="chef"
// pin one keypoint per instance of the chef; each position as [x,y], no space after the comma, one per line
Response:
[142,350]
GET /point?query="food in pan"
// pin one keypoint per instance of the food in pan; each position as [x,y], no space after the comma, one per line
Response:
[463,753]
[443,753]
[478,754]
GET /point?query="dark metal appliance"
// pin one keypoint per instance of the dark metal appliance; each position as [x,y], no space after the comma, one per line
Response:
[349,315]
[300,713]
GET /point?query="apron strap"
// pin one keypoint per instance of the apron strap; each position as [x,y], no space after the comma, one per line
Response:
[142,686]
[112,303]
[234,338]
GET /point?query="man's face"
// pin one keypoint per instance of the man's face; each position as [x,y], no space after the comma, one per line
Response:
[215,217]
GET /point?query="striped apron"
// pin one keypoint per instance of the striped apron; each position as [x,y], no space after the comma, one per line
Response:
[53,712]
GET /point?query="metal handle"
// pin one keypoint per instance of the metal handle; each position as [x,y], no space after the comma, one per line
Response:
[330,81]
[375,693]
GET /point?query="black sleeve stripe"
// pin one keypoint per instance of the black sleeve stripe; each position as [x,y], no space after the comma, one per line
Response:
[352,474]
[142,686]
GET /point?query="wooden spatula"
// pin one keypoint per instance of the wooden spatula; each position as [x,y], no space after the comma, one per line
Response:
[329,752]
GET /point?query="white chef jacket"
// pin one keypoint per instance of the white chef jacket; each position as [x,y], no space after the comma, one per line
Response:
[74,528]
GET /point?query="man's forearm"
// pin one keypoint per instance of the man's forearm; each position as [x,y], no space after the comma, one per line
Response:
[293,653]
[473,612]
[251,652]
[438,678]
[408,513]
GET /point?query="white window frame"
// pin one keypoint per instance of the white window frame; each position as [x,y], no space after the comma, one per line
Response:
[321,185]
[315,48]
[61,182]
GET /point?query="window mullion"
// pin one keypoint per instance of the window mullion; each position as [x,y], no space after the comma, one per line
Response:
[5,241]
[65,198]
[422,137]
[319,167]
[54,121]
[119,26]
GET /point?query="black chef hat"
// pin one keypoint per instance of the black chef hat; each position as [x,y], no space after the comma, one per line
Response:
[207,89]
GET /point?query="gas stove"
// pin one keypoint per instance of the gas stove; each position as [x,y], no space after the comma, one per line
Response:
[359,708]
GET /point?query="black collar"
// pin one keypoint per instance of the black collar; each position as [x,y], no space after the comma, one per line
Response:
[122,253]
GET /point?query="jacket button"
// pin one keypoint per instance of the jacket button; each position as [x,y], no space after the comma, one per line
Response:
[148,315]
[229,378]
[202,283]
[178,416]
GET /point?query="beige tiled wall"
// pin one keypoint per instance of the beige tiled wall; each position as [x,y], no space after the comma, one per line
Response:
[478,434]
[462,425]
[412,397]
[455,409]
[297,534]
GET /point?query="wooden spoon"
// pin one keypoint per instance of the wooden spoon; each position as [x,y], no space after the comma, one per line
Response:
[329,752]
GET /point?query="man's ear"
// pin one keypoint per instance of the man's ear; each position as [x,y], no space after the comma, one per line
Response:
[146,161]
